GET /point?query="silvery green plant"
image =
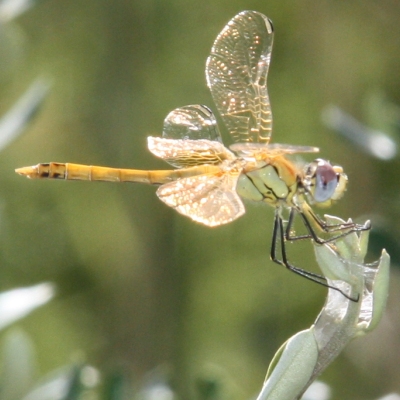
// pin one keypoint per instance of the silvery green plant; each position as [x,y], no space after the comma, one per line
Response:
[302,358]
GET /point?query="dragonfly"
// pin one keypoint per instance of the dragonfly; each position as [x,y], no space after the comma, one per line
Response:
[210,181]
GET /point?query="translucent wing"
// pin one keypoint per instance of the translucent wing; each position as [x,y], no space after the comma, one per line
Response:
[190,137]
[254,149]
[187,152]
[211,200]
[191,122]
[236,74]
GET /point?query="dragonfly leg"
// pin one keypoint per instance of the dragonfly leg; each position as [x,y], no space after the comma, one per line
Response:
[288,231]
[343,229]
[279,234]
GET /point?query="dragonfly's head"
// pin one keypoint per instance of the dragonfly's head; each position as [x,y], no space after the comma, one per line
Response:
[324,182]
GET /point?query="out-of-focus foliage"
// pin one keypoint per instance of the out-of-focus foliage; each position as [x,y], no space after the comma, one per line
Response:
[17,303]
[10,9]
[139,286]
[375,143]
[16,120]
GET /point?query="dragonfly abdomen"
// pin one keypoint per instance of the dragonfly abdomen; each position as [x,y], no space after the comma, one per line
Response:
[68,171]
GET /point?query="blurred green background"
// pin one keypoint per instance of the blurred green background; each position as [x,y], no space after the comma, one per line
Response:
[139,286]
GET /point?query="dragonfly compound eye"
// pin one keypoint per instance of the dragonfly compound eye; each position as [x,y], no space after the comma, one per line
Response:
[326,181]
[323,181]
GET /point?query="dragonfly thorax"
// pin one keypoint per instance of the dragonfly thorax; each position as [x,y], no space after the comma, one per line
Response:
[267,183]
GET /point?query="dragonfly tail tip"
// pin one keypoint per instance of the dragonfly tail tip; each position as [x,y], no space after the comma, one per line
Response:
[29,172]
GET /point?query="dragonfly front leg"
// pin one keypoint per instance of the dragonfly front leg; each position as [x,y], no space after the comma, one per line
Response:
[279,234]
[306,214]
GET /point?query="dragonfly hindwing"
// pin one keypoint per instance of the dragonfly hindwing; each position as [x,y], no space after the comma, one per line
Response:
[191,122]
[188,153]
[211,200]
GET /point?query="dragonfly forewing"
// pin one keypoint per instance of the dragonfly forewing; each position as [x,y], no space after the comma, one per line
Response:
[236,72]
[265,151]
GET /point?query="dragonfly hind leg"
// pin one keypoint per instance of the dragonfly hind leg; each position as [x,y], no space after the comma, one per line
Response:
[279,234]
